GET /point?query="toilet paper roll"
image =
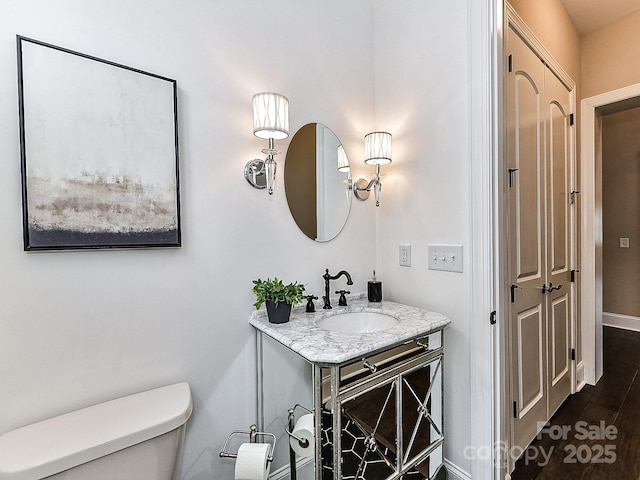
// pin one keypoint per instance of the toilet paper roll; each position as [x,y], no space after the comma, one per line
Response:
[251,463]
[303,429]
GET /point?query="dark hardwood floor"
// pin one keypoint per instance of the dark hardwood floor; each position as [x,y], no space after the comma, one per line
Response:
[596,433]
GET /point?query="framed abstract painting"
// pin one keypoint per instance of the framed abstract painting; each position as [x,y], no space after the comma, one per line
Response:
[99,152]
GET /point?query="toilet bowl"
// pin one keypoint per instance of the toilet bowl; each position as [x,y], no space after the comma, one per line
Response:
[138,437]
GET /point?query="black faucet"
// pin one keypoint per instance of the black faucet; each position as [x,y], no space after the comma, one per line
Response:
[327,278]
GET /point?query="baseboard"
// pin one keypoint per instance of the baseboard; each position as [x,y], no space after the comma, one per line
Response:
[617,320]
[284,472]
[454,472]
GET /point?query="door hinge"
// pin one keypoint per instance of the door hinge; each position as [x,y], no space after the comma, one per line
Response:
[492,318]
[571,119]
[513,293]
[573,354]
[511,172]
[515,409]
[573,275]
[510,63]
[572,196]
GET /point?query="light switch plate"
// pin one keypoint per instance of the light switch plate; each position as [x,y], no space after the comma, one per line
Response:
[624,242]
[445,257]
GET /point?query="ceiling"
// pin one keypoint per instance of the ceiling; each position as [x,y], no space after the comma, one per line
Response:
[589,15]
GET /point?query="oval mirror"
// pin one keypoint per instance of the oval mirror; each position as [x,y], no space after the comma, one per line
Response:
[317,182]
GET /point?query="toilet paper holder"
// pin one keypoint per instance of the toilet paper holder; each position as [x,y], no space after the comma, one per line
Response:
[291,421]
[253,434]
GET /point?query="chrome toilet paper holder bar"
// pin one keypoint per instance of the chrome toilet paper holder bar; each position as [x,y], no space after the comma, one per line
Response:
[253,434]
[291,421]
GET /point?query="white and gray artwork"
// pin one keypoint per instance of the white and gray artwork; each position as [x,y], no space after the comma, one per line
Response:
[99,152]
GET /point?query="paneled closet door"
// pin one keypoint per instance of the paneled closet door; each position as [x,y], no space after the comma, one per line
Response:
[558,270]
[539,152]
[527,238]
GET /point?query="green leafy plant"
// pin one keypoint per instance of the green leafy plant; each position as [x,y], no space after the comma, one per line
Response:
[276,291]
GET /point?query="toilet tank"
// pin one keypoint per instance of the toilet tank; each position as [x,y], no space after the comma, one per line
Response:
[138,437]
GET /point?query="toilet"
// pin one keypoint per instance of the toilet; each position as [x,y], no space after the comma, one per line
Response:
[138,437]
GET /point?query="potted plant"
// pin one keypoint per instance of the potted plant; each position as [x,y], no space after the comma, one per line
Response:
[277,297]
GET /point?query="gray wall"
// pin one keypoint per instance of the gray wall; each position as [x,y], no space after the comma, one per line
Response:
[621,212]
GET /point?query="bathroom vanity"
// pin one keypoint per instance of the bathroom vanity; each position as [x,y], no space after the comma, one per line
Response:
[371,375]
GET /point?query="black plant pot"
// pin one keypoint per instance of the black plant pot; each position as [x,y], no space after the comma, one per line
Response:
[278,312]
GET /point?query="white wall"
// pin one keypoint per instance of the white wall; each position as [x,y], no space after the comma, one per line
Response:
[80,327]
[422,97]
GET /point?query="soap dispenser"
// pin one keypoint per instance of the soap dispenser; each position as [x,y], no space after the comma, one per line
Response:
[374,289]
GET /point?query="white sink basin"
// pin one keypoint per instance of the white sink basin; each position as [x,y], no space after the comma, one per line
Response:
[357,322]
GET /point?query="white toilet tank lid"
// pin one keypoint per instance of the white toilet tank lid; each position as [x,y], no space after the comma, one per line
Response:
[64,442]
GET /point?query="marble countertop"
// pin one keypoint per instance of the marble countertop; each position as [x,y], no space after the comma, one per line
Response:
[303,336]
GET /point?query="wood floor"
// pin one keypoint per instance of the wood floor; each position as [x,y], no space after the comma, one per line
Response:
[607,414]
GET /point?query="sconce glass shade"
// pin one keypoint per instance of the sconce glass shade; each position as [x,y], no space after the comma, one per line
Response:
[343,162]
[377,148]
[270,166]
[270,116]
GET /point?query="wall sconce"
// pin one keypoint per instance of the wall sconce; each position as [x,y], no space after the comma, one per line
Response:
[343,162]
[377,149]
[271,122]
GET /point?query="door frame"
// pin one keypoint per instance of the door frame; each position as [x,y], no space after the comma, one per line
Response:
[486,382]
[591,258]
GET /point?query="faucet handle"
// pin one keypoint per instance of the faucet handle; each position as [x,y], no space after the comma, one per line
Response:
[310,305]
[342,301]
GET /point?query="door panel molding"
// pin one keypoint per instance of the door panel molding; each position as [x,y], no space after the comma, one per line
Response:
[560,338]
[527,340]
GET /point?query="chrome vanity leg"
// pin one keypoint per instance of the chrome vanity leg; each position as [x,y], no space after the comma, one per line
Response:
[337,423]
[317,412]
[399,442]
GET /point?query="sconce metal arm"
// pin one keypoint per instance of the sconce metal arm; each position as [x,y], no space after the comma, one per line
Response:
[262,173]
[362,193]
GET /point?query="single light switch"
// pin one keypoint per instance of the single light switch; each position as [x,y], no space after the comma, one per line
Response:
[624,243]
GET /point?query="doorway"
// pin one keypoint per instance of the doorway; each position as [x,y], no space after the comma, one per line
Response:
[593,108]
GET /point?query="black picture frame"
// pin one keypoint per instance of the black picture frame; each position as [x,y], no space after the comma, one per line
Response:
[98,150]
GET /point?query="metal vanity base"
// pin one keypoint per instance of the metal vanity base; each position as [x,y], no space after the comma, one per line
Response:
[376,396]
[376,418]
